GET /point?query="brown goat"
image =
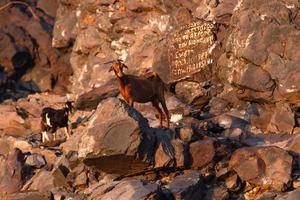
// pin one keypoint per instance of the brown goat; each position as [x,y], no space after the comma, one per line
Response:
[141,90]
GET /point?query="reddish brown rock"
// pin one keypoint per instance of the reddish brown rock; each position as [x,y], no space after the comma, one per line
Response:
[115,136]
[91,99]
[11,177]
[270,166]
[187,186]
[50,179]
[202,152]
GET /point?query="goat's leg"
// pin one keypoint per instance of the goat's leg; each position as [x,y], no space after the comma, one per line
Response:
[163,103]
[67,131]
[156,106]
[44,136]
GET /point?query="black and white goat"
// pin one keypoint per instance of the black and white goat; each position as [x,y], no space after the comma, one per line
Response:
[52,119]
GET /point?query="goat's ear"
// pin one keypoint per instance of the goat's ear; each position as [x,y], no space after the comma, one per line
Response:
[125,66]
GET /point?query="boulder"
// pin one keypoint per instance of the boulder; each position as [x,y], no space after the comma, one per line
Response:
[91,99]
[45,181]
[252,60]
[274,119]
[270,166]
[115,136]
[11,172]
[187,186]
[35,160]
[289,195]
[202,152]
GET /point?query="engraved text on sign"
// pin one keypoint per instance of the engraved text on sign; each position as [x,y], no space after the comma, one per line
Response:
[188,50]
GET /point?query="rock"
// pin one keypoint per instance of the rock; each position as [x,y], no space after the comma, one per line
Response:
[165,152]
[35,160]
[186,65]
[33,195]
[31,64]
[187,186]
[64,27]
[186,134]
[49,8]
[115,136]
[49,179]
[262,52]
[289,196]
[182,156]
[125,189]
[78,177]
[270,166]
[68,195]
[233,183]
[217,193]
[202,152]
[189,92]
[11,175]
[279,119]
[91,99]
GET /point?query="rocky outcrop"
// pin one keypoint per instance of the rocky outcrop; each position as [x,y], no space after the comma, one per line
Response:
[116,133]
[231,74]
[28,61]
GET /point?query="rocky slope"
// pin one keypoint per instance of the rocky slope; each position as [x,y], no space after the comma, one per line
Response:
[235,120]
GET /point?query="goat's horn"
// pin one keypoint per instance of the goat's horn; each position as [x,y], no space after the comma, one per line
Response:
[120,60]
[109,62]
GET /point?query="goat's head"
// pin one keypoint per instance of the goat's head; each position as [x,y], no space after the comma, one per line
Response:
[69,106]
[117,67]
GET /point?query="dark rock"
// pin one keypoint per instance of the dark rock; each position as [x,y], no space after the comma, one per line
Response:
[270,166]
[187,186]
[217,193]
[202,152]
[91,99]
[165,152]
[125,189]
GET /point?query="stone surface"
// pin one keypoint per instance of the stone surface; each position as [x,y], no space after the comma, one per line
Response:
[91,99]
[202,152]
[187,186]
[289,196]
[35,160]
[29,61]
[270,166]
[49,179]
[103,139]
[126,189]
[11,177]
